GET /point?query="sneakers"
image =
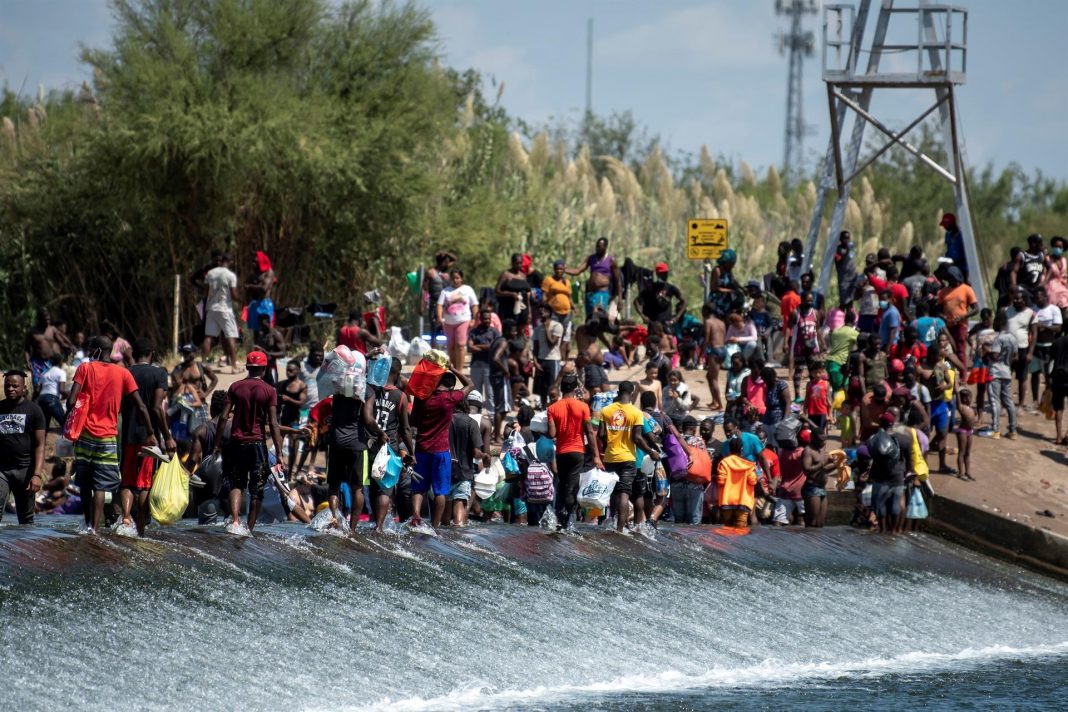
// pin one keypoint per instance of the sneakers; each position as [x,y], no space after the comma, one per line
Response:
[195,481]
[155,453]
[1011,435]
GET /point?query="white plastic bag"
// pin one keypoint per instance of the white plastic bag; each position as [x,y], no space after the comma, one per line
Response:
[486,481]
[417,350]
[595,488]
[539,424]
[397,346]
[378,467]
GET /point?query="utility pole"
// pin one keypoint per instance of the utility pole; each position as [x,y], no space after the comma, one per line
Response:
[799,44]
[589,68]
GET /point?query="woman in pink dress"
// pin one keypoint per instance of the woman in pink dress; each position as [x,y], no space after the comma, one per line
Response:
[1057,276]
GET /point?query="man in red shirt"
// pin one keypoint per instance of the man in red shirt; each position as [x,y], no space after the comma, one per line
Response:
[99,387]
[899,293]
[433,459]
[569,423]
[254,405]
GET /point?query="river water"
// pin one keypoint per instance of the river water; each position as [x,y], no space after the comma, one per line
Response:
[497,617]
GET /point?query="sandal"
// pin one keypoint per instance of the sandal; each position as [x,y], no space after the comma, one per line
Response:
[946,471]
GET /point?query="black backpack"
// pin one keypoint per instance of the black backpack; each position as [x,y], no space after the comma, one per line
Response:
[884,447]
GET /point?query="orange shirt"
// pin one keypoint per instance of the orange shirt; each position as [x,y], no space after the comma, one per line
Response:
[956,302]
[570,416]
[736,478]
[788,305]
[557,293]
[106,384]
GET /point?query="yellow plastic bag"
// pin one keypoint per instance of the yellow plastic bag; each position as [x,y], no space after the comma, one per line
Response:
[439,357]
[919,462]
[169,495]
[839,399]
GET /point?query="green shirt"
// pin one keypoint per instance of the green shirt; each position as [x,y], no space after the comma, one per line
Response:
[841,342]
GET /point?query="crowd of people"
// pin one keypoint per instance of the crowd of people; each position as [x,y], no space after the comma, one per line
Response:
[807,393]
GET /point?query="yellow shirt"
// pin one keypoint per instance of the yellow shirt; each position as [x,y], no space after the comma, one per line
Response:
[619,420]
[557,294]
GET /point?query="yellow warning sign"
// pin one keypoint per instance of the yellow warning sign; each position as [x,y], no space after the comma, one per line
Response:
[706,239]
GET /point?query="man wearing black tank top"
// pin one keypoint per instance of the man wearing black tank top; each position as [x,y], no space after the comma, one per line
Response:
[389,410]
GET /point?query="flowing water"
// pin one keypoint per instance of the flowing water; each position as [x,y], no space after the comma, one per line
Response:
[496,617]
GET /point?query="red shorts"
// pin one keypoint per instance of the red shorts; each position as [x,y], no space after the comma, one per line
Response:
[137,471]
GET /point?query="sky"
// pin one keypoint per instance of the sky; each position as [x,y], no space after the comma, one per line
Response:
[694,72]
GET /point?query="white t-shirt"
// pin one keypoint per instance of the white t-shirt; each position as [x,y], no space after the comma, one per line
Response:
[1048,316]
[542,348]
[219,281]
[1019,325]
[457,304]
[51,380]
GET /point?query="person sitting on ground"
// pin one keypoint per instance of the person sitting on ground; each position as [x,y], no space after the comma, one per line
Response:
[676,398]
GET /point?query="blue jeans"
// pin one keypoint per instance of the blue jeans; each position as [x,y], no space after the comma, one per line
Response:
[687,499]
[53,410]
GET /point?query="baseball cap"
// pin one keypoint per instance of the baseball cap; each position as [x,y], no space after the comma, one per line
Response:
[948,219]
[474,397]
[887,419]
[902,392]
[897,365]
[256,358]
[188,348]
[661,267]
[559,263]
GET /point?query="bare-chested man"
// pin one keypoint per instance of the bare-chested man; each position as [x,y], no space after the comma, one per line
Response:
[605,281]
[715,351]
[191,378]
[42,342]
[258,291]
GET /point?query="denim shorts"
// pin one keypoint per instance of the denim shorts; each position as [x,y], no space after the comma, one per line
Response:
[813,491]
[434,470]
[887,499]
[460,491]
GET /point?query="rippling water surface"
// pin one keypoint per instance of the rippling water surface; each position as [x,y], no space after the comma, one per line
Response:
[502,617]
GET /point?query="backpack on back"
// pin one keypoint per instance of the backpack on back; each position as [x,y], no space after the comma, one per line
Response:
[883,447]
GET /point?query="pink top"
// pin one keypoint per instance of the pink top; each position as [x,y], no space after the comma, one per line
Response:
[835,319]
[755,388]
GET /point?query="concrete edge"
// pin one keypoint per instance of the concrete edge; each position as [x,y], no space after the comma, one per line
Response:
[1037,549]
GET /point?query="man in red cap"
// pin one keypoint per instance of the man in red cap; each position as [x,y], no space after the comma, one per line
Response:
[955,243]
[654,300]
[253,405]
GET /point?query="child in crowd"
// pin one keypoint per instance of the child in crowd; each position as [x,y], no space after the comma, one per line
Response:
[651,384]
[968,419]
[818,397]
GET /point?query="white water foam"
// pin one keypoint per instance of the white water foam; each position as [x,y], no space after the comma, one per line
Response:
[770,673]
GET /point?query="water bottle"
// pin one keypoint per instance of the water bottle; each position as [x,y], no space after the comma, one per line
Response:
[378,373]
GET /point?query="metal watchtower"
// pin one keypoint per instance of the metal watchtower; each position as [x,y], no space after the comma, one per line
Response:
[936,60]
